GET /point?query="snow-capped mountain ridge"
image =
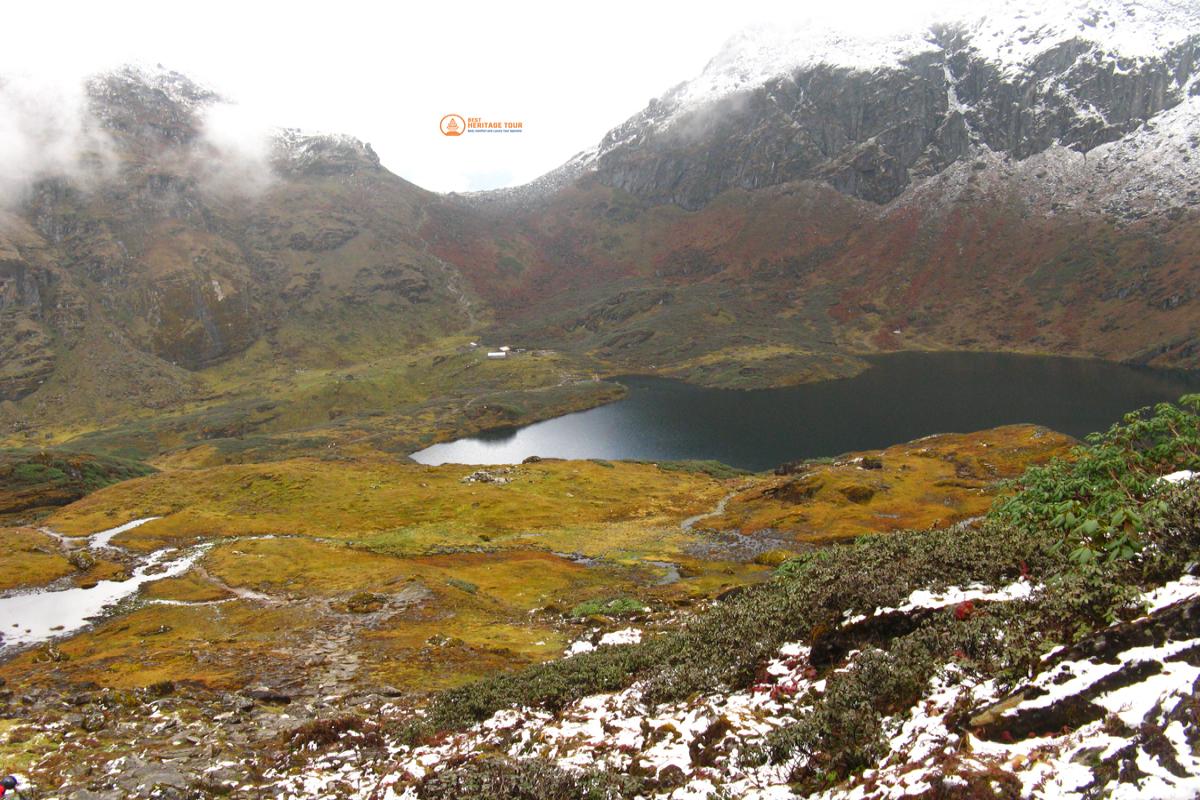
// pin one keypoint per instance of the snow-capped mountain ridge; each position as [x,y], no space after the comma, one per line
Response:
[1149,170]
[872,111]
[1009,35]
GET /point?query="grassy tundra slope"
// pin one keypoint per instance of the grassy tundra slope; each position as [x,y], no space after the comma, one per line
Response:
[495,560]
[1047,651]
[328,599]
[324,589]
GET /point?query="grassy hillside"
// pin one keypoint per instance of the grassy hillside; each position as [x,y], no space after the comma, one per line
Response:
[34,482]
[787,284]
[326,588]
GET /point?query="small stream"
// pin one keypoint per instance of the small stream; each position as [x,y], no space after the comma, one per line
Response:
[688,524]
[31,617]
[103,539]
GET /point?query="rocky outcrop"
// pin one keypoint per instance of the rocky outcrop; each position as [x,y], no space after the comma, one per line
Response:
[178,253]
[323,154]
[870,130]
[30,304]
[151,106]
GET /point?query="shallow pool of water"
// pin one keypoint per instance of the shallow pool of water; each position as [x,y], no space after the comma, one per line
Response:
[37,616]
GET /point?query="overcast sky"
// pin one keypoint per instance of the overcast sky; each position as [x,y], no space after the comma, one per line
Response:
[569,71]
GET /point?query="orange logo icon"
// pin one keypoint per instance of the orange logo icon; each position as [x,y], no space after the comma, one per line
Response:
[453,125]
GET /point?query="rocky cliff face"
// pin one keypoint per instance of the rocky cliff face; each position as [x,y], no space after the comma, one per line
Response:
[870,116]
[180,248]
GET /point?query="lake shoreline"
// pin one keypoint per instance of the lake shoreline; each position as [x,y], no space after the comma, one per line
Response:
[1101,390]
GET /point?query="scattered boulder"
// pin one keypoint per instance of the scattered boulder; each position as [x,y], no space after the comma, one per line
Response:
[366,603]
[858,494]
[81,560]
[237,702]
[497,476]
[265,694]
[93,721]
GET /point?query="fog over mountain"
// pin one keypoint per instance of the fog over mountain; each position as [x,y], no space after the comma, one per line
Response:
[300,66]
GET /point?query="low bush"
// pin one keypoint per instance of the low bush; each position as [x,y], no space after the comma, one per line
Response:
[533,779]
[613,607]
[714,469]
[460,584]
[1099,500]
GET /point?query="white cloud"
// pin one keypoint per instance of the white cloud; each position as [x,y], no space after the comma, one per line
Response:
[387,74]
[45,129]
[239,139]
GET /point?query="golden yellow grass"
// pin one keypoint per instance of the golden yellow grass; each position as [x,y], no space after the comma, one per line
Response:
[463,578]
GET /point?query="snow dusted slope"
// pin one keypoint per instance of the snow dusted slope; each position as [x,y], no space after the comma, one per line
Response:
[754,56]
[1009,35]
[1111,716]
[1150,170]
[872,111]
[1012,34]
[1156,164]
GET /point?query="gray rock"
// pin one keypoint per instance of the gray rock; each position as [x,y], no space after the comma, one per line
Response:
[870,133]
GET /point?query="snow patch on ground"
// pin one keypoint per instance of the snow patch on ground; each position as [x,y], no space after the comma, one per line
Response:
[624,636]
[1186,588]
[951,596]
[701,741]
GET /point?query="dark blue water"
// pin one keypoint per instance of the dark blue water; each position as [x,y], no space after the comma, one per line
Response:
[902,397]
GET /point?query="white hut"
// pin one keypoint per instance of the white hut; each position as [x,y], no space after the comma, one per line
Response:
[497,354]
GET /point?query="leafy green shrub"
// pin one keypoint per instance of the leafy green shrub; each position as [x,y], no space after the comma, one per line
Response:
[613,607]
[37,473]
[1173,539]
[1105,494]
[1070,606]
